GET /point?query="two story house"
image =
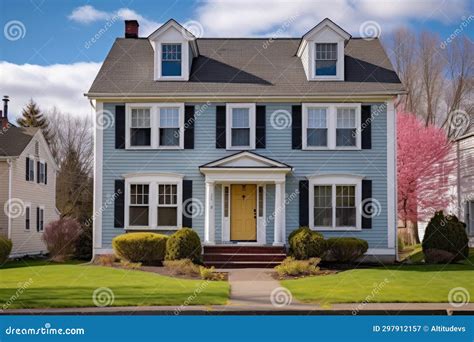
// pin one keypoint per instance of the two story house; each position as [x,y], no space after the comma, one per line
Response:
[246,139]
[27,187]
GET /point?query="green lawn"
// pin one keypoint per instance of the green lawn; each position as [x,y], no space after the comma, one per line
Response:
[404,283]
[53,285]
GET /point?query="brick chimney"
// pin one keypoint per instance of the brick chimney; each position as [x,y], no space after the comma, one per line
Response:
[131,29]
[4,117]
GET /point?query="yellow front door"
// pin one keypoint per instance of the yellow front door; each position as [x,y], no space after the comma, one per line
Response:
[243,223]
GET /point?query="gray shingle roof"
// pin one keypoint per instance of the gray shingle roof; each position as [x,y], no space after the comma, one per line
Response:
[254,67]
[15,139]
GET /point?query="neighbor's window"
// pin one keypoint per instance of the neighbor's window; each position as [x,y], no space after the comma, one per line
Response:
[171,60]
[139,199]
[326,59]
[240,135]
[41,219]
[167,205]
[323,206]
[317,131]
[42,173]
[169,126]
[345,206]
[140,128]
[31,169]
[346,127]
[27,218]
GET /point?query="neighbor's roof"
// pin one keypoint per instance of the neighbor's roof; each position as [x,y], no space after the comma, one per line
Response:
[253,67]
[15,139]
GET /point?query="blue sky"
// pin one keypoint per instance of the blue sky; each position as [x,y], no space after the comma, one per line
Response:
[53,57]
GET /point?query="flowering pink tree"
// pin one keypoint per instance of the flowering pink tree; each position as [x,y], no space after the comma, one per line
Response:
[424,168]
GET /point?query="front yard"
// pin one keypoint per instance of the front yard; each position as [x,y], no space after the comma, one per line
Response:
[403,283]
[43,285]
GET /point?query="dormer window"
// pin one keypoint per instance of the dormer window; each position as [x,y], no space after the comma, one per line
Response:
[171,60]
[326,59]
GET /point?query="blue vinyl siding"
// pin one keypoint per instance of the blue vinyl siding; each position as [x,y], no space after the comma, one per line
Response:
[370,163]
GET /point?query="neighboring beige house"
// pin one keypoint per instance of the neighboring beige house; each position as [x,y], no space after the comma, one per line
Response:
[27,188]
[465,179]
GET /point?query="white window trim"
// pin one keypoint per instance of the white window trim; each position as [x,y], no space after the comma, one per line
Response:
[152,180]
[27,205]
[335,180]
[339,64]
[331,121]
[155,125]
[252,121]
[185,65]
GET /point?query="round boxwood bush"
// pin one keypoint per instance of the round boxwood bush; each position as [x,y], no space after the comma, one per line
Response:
[445,239]
[184,244]
[5,249]
[345,249]
[147,248]
[305,243]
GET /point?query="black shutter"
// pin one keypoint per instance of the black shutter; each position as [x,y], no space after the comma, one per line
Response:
[220,126]
[27,169]
[120,127]
[38,172]
[188,206]
[367,207]
[45,173]
[366,127]
[296,127]
[260,127]
[119,204]
[37,219]
[189,127]
[304,203]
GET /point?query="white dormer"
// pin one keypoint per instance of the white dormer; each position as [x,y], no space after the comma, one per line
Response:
[175,47]
[322,52]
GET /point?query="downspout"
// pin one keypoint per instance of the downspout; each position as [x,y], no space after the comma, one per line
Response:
[458,180]
[10,176]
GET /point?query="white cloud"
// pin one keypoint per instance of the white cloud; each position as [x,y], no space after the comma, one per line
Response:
[88,14]
[252,18]
[59,85]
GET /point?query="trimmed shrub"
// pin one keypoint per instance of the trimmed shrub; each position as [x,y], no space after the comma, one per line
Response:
[184,244]
[305,243]
[61,238]
[292,267]
[147,248]
[345,249]
[445,239]
[5,249]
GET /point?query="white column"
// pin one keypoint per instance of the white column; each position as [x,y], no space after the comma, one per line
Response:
[209,226]
[279,214]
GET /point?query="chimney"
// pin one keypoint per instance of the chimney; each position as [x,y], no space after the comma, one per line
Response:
[131,29]
[5,106]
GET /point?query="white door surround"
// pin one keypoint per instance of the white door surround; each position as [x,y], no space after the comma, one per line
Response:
[245,168]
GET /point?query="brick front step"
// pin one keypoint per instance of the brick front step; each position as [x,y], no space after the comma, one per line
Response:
[238,256]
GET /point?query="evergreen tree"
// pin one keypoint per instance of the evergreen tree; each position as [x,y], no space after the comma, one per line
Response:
[31,116]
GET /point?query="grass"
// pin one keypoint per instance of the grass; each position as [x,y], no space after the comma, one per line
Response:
[45,285]
[402,283]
